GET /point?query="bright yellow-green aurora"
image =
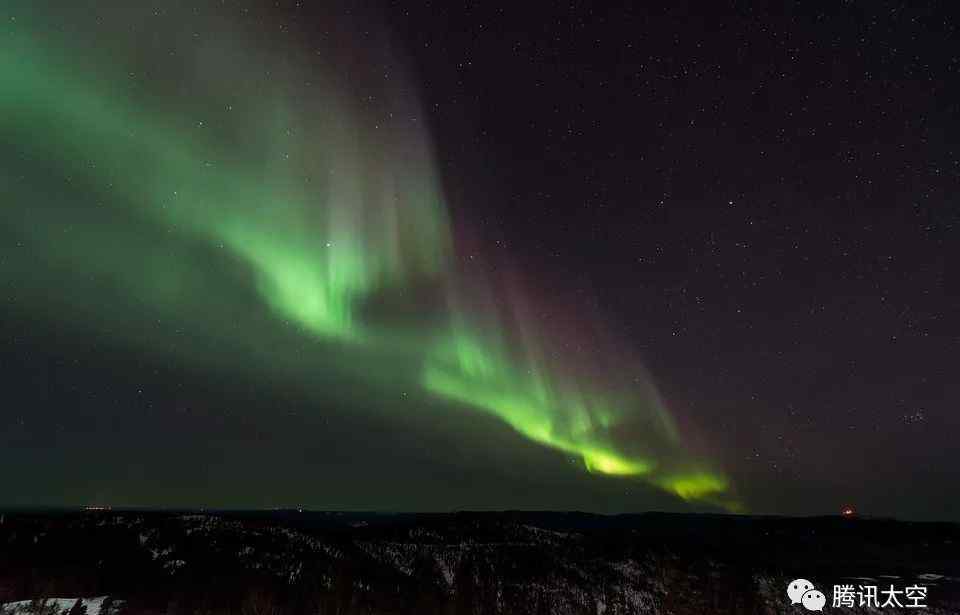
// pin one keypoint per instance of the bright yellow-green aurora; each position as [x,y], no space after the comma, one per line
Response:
[226,157]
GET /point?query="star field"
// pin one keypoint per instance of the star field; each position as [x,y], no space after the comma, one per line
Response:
[577,255]
[764,200]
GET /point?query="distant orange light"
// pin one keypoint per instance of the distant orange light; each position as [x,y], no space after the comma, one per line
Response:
[848,512]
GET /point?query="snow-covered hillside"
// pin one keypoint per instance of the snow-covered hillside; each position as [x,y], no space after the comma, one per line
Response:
[489,564]
[99,605]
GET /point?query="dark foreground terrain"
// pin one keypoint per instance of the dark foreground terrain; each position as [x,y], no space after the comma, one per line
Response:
[478,563]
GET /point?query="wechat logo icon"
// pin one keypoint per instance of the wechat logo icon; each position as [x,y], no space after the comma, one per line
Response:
[802,591]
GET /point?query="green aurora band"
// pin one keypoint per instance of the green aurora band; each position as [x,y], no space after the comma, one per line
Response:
[266,156]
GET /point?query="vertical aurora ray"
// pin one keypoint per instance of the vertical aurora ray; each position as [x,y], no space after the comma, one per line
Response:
[521,379]
[315,253]
[269,158]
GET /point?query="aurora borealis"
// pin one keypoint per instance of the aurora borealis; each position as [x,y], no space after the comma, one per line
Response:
[434,256]
[333,221]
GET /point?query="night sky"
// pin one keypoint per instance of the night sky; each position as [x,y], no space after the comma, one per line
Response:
[605,256]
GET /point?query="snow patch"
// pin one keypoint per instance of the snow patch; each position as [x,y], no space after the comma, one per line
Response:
[55,606]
